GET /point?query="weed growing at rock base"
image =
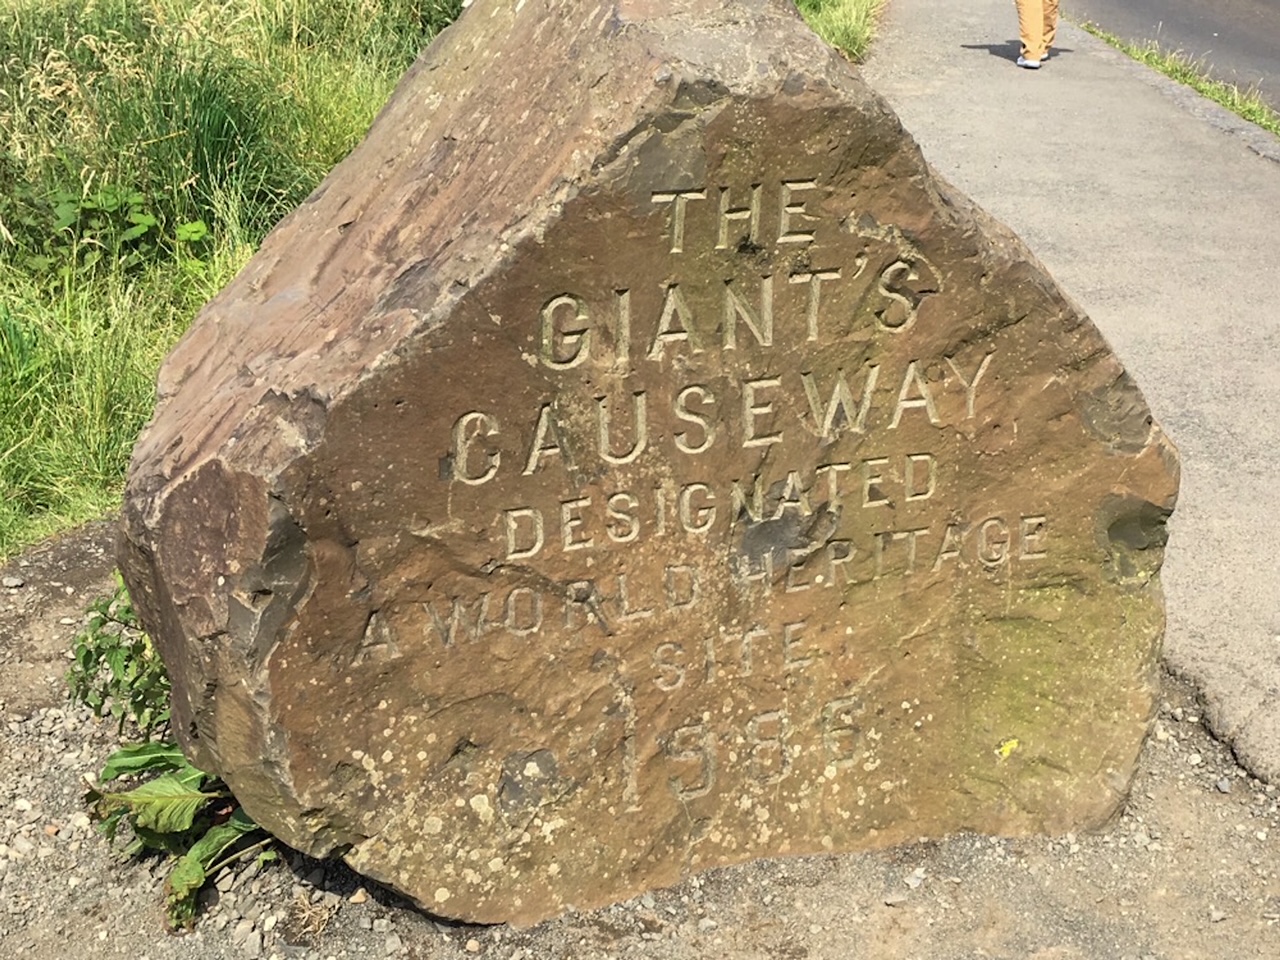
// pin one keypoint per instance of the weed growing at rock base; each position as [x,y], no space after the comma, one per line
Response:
[177,810]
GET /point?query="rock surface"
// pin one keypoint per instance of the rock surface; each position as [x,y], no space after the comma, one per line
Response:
[632,460]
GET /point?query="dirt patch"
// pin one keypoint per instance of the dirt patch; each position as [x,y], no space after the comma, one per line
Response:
[43,597]
[1188,870]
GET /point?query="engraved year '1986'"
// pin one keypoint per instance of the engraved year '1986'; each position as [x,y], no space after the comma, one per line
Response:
[695,752]
[762,748]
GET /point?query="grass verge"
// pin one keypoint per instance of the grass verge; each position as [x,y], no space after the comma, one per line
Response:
[1193,73]
[848,25]
[146,147]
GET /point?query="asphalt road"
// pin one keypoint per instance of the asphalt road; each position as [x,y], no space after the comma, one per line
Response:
[1239,40]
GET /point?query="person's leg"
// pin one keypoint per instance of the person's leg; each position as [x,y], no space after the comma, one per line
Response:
[1050,23]
[1031,20]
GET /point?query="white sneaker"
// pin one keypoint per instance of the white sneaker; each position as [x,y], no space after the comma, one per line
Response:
[1029,64]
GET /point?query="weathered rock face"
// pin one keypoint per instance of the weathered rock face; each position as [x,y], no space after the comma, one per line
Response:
[632,460]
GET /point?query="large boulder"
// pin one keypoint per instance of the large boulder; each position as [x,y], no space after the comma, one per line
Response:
[633,460]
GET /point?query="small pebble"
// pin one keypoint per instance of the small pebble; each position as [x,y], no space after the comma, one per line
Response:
[1223,785]
[1216,915]
[360,896]
[13,583]
[473,946]
[393,944]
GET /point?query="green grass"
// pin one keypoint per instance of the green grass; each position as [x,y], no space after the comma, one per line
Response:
[1245,103]
[847,25]
[146,147]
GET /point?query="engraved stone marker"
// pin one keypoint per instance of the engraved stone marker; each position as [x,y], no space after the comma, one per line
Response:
[632,460]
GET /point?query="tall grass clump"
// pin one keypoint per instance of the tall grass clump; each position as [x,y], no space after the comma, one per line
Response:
[146,147]
[847,25]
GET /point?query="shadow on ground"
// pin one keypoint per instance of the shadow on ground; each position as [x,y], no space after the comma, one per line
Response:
[1008,50]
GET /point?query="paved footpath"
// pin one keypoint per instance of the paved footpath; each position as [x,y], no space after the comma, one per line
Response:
[1160,214]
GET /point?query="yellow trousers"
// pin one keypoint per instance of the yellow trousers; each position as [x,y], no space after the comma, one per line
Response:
[1037,24]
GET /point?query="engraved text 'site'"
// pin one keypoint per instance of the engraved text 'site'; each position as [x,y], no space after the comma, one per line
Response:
[633,460]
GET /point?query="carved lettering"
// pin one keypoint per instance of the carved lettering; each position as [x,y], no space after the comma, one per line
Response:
[668,661]
[525,532]
[744,651]
[785,233]
[581,604]
[740,505]
[970,386]
[697,521]
[640,418]
[624,599]
[693,743]
[546,439]
[623,526]
[679,200]
[840,732]
[913,380]
[565,347]
[902,313]
[794,496]
[796,560]
[680,586]
[910,537]
[833,471]
[815,281]
[570,520]
[993,542]
[1031,532]
[759,322]
[950,548]
[531,620]
[456,627]
[919,477]
[791,640]
[466,430]
[768,756]
[839,555]
[706,424]
[839,412]
[674,323]
[751,409]
[730,214]
[872,491]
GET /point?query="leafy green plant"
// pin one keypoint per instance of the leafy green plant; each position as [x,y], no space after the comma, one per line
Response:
[169,806]
[183,812]
[116,669]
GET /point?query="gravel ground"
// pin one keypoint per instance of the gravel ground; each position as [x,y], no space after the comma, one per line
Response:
[1188,870]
